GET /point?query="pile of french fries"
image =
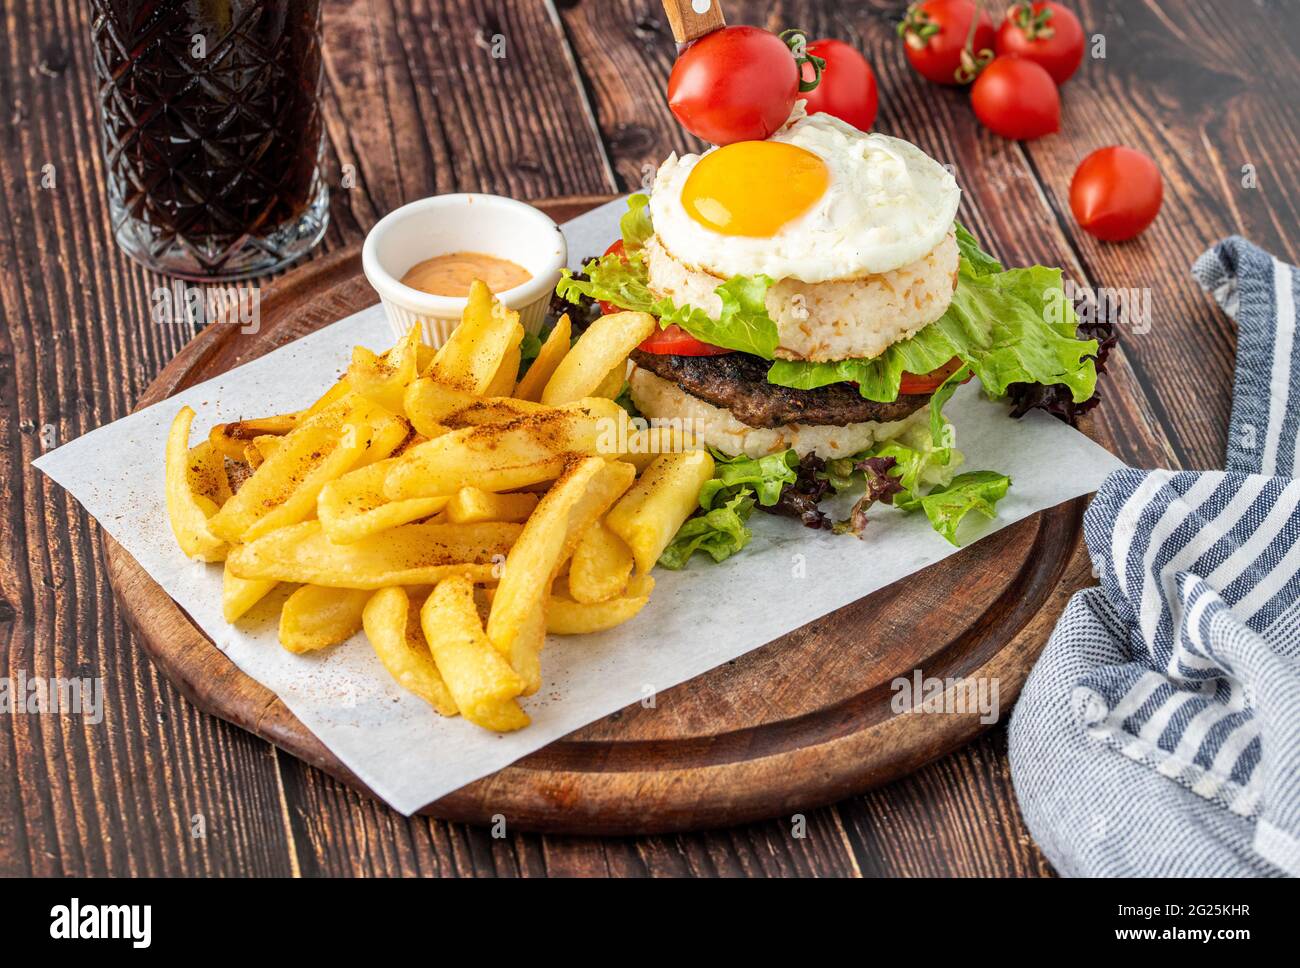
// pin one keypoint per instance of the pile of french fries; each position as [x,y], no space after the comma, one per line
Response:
[453,511]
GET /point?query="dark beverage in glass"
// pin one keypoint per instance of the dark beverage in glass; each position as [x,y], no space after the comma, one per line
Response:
[212,132]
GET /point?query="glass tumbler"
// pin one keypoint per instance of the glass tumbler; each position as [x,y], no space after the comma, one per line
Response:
[212,133]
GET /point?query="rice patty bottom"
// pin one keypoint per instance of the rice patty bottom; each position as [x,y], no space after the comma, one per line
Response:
[719,428]
[822,321]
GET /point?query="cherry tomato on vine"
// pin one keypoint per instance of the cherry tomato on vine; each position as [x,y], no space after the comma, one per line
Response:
[847,89]
[1047,34]
[940,43]
[1116,193]
[738,83]
[1017,99]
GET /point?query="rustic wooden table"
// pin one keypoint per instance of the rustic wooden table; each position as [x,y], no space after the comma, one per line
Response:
[417,103]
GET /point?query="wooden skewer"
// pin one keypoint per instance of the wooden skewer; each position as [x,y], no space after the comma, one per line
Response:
[692,19]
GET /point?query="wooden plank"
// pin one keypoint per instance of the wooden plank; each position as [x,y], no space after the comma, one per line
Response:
[125,796]
[1206,89]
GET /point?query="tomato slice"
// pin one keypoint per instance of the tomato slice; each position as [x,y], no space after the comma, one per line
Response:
[929,382]
[672,340]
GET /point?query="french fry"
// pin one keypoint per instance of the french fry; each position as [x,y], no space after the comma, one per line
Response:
[393,628]
[413,554]
[384,379]
[230,439]
[434,409]
[471,357]
[585,491]
[389,434]
[503,384]
[525,655]
[205,472]
[612,385]
[470,504]
[238,595]
[353,506]
[606,344]
[284,488]
[499,457]
[196,486]
[564,616]
[424,358]
[263,446]
[480,680]
[654,508]
[315,618]
[645,445]
[601,565]
[333,395]
[548,358]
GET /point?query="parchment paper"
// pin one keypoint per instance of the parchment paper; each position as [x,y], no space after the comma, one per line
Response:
[392,740]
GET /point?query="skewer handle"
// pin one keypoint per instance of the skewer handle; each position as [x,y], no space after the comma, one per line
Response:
[692,19]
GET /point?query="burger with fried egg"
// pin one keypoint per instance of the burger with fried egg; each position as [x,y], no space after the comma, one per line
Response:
[818,306]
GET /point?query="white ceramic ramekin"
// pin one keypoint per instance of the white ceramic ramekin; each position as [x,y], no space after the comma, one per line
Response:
[463,222]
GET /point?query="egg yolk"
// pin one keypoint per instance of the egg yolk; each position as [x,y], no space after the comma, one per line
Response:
[753,188]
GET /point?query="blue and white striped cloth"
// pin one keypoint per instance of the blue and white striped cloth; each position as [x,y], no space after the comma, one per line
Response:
[1159,733]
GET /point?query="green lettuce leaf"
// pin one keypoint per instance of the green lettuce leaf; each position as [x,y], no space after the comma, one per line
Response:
[742,325]
[927,474]
[765,477]
[612,280]
[922,460]
[719,532]
[980,491]
[980,262]
[940,430]
[635,223]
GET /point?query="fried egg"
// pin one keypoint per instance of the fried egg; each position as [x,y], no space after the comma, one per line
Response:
[818,201]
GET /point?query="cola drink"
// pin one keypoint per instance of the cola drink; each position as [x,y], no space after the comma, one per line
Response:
[212,132]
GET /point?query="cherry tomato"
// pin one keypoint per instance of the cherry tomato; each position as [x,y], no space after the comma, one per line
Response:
[735,84]
[1017,99]
[935,33]
[929,382]
[1047,34]
[1116,193]
[672,340]
[847,89]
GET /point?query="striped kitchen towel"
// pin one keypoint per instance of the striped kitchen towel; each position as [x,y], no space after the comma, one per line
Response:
[1159,733]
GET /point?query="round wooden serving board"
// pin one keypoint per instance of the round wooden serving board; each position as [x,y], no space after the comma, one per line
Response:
[800,722]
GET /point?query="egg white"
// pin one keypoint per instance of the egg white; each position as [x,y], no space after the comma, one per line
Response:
[887,204]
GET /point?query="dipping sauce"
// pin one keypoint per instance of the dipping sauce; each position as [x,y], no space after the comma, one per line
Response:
[451,275]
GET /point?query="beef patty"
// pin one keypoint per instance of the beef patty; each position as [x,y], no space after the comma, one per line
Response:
[738,382]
